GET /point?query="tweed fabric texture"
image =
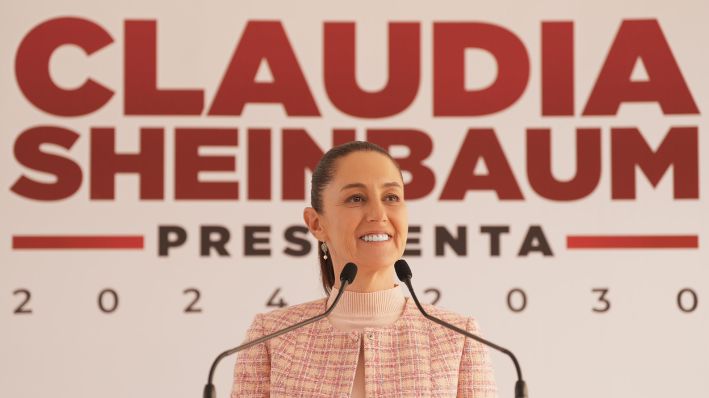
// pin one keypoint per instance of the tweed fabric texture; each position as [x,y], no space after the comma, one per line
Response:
[413,357]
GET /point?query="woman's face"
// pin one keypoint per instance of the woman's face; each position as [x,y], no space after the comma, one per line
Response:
[364,218]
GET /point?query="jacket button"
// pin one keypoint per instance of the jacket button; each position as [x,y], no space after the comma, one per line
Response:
[370,336]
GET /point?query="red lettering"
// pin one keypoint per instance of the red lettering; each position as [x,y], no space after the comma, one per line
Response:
[188,164]
[142,96]
[640,40]
[450,40]
[679,149]
[148,163]
[301,153]
[588,165]
[481,144]
[32,66]
[420,147]
[265,41]
[557,68]
[259,164]
[29,154]
[340,77]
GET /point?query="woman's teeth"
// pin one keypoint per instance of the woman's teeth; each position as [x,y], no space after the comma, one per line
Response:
[375,238]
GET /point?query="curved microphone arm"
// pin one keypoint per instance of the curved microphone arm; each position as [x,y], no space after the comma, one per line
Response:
[404,274]
[346,278]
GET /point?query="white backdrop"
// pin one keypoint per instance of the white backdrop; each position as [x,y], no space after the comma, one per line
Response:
[64,334]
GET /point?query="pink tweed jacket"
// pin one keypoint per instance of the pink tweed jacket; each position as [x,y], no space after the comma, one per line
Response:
[413,357]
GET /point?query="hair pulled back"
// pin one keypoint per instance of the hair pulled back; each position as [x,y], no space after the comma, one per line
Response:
[322,176]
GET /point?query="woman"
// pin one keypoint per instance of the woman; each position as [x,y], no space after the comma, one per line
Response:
[375,343]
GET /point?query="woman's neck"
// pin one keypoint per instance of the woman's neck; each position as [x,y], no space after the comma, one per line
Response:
[369,308]
[372,281]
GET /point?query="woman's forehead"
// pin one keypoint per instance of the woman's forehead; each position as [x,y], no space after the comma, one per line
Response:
[365,167]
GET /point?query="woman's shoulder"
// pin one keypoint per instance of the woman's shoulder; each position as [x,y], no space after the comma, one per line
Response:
[283,317]
[462,321]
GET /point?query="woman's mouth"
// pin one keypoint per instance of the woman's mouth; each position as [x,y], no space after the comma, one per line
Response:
[375,237]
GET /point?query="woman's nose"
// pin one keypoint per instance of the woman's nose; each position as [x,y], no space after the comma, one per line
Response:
[376,211]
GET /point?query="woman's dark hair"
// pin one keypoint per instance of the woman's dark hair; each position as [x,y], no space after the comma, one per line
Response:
[322,175]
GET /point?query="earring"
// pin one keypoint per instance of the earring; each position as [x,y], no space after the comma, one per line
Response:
[324,250]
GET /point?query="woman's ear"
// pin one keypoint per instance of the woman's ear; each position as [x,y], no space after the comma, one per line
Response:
[314,224]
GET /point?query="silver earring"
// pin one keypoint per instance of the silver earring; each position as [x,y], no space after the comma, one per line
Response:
[324,250]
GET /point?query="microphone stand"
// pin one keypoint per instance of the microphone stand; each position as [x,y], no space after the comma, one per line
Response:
[346,278]
[404,274]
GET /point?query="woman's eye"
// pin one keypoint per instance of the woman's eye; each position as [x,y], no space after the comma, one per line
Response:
[392,198]
[355,199]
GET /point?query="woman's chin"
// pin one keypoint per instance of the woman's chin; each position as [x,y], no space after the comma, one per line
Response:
[373,264]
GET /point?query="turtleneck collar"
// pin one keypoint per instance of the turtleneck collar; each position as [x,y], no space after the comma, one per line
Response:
[377,304]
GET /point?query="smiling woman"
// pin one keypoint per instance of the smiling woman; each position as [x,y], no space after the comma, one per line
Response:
[358,214]
[375,342]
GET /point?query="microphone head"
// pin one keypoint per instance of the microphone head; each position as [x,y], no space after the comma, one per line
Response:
[348,273]
[403,272]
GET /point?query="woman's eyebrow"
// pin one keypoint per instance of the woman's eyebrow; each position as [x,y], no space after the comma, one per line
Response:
[362,186]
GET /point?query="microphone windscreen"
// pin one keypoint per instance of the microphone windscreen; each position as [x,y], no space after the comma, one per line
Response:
[348,273]
[403,272]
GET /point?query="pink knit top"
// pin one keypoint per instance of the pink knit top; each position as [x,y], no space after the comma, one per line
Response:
[357,311]
[411,357]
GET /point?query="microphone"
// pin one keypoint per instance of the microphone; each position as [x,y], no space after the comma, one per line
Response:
[403,272]
[346,277]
